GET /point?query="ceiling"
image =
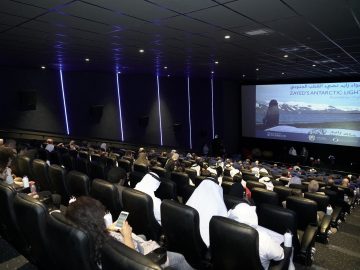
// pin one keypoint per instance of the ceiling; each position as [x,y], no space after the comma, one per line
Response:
[186,36]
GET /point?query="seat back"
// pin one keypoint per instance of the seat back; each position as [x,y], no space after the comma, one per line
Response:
[115,255]
[97,169]
[253,184]
[191,173]
[181,180]
[161,172]
[68,161]
[43,154]
[57,175]
[198,179]
[283,192]
[135,177]
[9,225]
[167,190]
[162,160]
[225,234]
[55,157]
[23,166]
[298,186]
[141,168]
[321,200]
[141,213]
[187,192]
[108,195]
[183,237]
[41,175]
[248,176]
[70,246]
[82,165]
[280,220]
[125,164]
[231,201]
[260,195]
[32,216]
[305,209]
[78,184]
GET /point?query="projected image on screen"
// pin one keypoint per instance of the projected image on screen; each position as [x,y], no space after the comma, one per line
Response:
[321,113]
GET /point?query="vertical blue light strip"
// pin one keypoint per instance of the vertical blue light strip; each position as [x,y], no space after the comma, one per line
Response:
[119,104]
[158,95]
[64,102]
[212,107]
[189,106]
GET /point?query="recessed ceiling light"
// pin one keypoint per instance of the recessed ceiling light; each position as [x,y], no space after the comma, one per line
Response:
[227,37]
[258,32]
[43,67]
[243,75]
[330,70]
[119,72]
[165,67]
[257,69]
[282,73]
[87,60]
[216,62]
[141,51]
[314,65]
[168,75]
[212,72]
[286,56]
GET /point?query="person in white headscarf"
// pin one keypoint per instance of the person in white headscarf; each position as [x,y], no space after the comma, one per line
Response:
[149,184]
[208,200]
[233,171]
[256,171]
[267,181]
[269,241]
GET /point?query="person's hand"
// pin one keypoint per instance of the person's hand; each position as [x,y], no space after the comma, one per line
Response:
[126,230]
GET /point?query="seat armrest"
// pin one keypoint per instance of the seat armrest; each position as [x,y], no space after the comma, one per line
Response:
[308,239]
[284,263]
[325,224]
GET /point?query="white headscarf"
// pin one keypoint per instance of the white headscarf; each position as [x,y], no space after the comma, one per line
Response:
[208,200]
[149,184]
[269,241]
[267,181]
[256,171]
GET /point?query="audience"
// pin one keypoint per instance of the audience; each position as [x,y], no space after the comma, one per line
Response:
[88,214]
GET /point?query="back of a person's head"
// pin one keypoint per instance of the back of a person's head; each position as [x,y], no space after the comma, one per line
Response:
[49,141]
[116,174]
[345,182]
[285,173]
[6,154]
[313,186]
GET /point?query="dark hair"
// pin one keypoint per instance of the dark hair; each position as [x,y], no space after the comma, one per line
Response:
[6,154]
[88,214]
[115,175]
[273,102]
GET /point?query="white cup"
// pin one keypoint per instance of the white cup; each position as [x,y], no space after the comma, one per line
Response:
[108,220]
[288,239]
[329,210]
[25,181]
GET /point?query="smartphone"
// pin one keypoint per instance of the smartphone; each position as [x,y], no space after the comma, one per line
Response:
[121,219]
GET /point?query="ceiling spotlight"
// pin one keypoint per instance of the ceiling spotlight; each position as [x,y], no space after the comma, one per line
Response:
[286,56]
[282,73]
[216,62]
[165,67]
[141,51]
[243,75]
[212,72]
[43,67]
[314,65]
[168,75]
[257,69]
[119,72]
[330,70]
[227,37]
[87,60]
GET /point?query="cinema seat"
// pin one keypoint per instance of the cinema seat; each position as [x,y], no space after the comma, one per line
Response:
[41,175]
[57,175]
[78,184]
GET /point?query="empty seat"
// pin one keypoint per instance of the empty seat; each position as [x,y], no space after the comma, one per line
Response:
[78,184]
[183,237]
[32,218]
[23,166]
[181,180]
[108,195]
[70,246]
[260,195]
[57,176]
[41,175]
[141,217]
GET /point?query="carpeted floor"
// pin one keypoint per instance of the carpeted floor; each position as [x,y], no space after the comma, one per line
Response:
[342,252]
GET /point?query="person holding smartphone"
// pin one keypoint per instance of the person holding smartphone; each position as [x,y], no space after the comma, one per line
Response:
[88,214]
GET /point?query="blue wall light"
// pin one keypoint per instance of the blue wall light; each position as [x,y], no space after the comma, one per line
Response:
[64,102]
[212,107]
[119,104]
[158,96]
[189,107]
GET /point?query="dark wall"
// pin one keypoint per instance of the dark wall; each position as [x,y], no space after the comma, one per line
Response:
[139,106]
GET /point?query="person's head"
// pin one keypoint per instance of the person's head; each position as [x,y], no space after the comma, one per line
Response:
[175,156]
[313,186]
[345,182]
[273,103]
[6,156]
[244,213]
[285,173]
[88,214]
[141,150]
[116,175]
[142,156]
[103,147]
[49,141]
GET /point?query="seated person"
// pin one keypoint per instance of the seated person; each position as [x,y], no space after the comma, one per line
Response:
[6,157]
[142,159]
[269,241]
[149,184]
[267,182]
[88,214]
[49,145]
[172,163]
[208,200]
